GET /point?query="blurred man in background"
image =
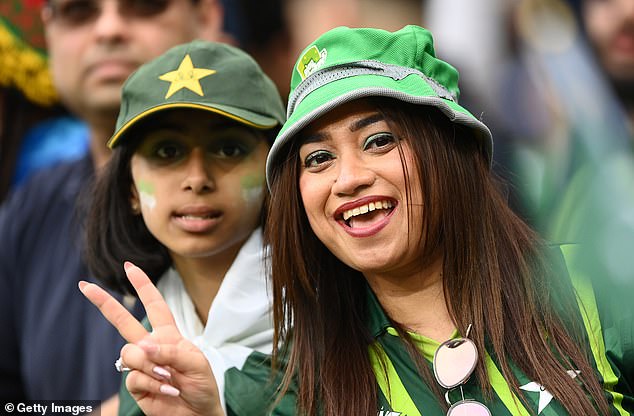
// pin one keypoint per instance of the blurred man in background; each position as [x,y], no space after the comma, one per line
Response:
[54,346]
[609,25]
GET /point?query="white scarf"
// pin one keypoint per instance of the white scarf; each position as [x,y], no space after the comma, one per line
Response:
[239,319]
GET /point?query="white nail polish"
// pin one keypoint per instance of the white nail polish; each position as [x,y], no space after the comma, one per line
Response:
[169,390]
[160,371]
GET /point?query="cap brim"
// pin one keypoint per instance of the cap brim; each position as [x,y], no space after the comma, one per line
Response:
[412,89]
[240,115]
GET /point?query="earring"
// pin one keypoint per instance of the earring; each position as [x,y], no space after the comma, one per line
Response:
[136,209]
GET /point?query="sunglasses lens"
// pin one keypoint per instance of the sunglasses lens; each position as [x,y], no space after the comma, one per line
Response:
[468,408]
[146,8]
[80,12]
[75,12]
[454,362]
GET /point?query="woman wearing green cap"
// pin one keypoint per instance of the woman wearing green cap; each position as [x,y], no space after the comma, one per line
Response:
[183,198]
[402,282]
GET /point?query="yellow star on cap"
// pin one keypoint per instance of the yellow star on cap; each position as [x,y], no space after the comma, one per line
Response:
[186,76]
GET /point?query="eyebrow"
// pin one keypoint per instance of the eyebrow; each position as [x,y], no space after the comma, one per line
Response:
[357,125]
[368,121]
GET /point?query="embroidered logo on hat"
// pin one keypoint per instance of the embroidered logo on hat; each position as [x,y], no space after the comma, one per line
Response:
[311,61]
[201,75]
[186,76]
[368,62]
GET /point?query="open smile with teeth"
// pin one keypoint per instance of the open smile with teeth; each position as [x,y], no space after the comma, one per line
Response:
[364,209]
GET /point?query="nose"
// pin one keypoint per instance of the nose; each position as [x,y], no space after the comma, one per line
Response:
[198,177]
[110,25]
[353,175]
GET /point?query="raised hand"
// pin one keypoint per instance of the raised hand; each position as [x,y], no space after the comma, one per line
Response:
[168,374]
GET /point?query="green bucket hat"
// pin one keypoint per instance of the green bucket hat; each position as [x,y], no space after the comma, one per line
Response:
[201,75]
[345,64]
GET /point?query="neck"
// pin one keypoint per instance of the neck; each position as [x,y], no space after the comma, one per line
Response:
[416,301]
[99,136]
[203,276]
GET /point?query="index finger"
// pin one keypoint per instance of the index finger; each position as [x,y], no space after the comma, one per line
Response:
[157,311]
[114,312]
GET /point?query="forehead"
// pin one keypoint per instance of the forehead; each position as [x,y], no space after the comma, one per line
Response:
[196,123]
[346,118]
[191,119]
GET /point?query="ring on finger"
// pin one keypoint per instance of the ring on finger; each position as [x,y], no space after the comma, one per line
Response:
[120,367]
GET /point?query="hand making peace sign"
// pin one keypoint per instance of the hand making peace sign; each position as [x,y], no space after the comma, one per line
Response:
[168,374]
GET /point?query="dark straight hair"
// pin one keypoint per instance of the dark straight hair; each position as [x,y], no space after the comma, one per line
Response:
[495,276]
[114,233]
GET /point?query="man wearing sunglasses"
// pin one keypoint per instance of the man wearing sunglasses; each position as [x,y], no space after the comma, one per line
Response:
[55,346]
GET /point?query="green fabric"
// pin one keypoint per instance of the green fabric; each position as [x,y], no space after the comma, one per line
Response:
[127,405]
[203,75]
[250,390]
[610,335]
[345,64]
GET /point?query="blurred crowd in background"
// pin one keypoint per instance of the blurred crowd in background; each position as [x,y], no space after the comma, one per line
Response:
[553,79]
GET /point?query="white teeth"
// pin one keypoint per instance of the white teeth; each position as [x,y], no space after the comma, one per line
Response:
[195,217]
[364,209]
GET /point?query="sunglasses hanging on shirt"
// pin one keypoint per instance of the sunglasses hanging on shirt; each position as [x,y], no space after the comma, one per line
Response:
[454,362]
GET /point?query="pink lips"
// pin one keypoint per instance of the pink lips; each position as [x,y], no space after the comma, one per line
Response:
[376,225]
[197,219]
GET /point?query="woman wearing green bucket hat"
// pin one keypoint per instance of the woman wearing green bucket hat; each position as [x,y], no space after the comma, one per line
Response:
[398,269]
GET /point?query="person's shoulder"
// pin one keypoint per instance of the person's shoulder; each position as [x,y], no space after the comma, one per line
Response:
[45,206]
[64,175]
[63,181]
[253,389]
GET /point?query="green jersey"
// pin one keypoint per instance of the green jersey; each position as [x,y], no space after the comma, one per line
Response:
[249,391]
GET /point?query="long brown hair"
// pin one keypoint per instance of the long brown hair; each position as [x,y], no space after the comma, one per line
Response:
[494,272]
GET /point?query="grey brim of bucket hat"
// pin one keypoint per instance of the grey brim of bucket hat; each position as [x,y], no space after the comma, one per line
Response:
[482,132]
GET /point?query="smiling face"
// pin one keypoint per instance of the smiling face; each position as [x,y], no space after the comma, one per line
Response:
[199,182]
[354,191]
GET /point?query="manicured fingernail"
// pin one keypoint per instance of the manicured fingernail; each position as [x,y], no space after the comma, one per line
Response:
[127,266]
[161,372]
[169,390]
[82,284]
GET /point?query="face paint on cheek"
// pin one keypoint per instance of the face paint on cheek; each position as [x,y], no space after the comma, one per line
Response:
[146,194]
[252,188]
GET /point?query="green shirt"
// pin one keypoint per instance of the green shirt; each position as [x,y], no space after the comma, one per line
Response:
[249,390]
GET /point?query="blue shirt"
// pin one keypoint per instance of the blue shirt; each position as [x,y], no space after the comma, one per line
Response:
[54,343]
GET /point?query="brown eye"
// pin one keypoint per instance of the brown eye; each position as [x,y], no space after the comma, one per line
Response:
[379,141]
[317,159]
[168,151]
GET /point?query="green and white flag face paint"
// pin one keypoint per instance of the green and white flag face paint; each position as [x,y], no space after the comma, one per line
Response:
[146,194]
[252,188]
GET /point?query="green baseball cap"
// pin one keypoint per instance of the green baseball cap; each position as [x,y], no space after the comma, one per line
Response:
[345,64]
[201,75]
